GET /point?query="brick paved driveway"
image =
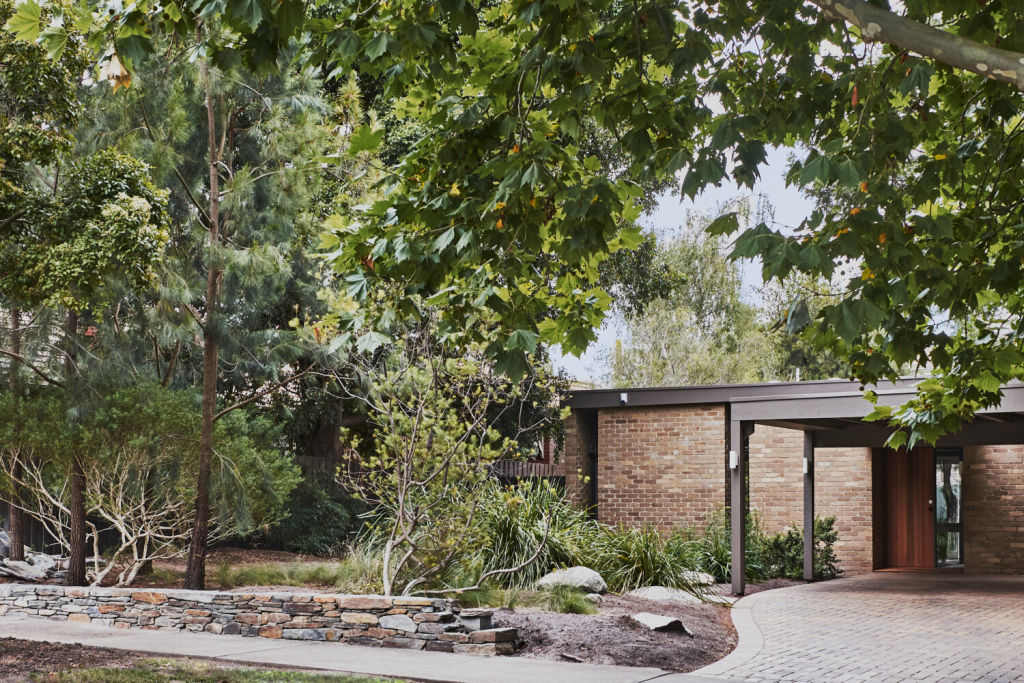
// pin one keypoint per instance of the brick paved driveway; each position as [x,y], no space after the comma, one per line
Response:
[906,626]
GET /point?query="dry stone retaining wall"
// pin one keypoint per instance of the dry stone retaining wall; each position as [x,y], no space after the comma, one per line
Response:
[406,622]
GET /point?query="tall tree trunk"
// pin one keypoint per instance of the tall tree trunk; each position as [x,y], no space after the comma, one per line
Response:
[195,574]
[76,537]
[15,517]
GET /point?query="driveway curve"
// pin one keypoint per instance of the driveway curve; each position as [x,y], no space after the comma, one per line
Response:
[884,626]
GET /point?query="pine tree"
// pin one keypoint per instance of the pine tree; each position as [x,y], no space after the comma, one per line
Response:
[238,267]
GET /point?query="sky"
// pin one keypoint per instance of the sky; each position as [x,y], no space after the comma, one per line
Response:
[790,208]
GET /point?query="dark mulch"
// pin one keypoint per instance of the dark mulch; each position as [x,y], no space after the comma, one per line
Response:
[19,658]
[773,583]
[610,637]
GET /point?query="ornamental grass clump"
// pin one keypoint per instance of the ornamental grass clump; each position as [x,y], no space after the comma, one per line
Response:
[530,519]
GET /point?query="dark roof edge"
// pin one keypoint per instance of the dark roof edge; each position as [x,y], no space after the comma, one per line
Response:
[723,393]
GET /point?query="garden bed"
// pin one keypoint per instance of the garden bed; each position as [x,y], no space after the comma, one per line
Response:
[608,637]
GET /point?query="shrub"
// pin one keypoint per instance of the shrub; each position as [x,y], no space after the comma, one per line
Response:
[140,457]
[783,553]
[565,600]
[768,556]
[322,519]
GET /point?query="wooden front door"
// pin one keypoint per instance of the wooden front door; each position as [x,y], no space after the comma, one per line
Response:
[910,512]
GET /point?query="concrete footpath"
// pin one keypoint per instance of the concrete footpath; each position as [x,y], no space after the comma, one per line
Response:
[335,657]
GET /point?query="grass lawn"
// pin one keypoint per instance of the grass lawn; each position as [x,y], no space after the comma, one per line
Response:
[162,670]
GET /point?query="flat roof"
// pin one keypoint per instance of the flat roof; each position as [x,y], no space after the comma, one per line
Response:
[727,393]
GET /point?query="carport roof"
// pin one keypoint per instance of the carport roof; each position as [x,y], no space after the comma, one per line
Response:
[832,409]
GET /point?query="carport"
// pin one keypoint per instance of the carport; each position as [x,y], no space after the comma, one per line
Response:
[832,416]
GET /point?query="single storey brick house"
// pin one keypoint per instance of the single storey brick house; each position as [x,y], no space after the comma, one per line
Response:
[670,457]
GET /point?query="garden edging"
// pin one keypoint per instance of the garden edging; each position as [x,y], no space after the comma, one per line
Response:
[407,622]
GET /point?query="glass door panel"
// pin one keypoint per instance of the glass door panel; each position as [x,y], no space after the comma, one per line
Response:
[948,503]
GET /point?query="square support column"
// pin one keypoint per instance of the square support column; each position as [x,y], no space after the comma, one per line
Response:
[739,436]
[808,505]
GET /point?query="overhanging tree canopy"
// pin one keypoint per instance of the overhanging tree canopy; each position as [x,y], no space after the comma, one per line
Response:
[907,119]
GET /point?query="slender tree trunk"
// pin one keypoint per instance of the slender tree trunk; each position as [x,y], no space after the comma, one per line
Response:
[195,574]
[15,517]
[76,561]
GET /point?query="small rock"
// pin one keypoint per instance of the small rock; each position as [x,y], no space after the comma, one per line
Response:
[594,598]
[660,622]
[663,594]
[698,578]
[580,578]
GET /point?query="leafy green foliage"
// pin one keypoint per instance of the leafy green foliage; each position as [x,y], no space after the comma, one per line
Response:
[38,107]
[564,600]
[105,219]
[533,520]
[496,217]
[782,554]
[425,466]
[636,277]
[518,521]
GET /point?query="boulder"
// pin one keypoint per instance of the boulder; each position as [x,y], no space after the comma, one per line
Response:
[44,563]
[594,598]
[5,544]
[580,578]
[663,594]
[660,622]
[21,570]
[699,578]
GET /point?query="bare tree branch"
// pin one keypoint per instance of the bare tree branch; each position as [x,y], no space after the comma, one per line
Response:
[262,393]
[24,361]
[882,25]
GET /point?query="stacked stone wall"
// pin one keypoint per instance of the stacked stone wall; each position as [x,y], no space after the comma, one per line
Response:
[405,622]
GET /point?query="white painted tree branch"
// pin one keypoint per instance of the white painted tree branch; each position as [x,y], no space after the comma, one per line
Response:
[882,25]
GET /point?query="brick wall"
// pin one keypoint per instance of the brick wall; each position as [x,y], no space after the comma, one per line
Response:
[777,476]
[843,489]
[663,466]
[993,511]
